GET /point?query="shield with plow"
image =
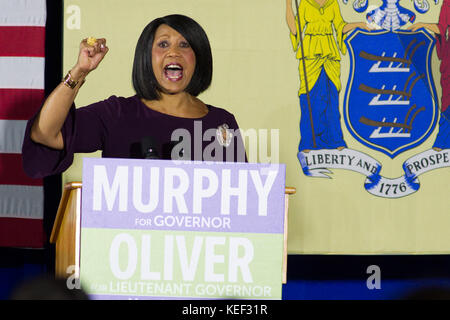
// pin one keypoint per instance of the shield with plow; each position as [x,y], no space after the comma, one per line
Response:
[390,100]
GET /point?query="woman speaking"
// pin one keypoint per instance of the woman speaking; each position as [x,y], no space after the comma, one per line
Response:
[172,66]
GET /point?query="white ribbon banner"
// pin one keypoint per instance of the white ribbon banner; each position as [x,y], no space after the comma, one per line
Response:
[317,163]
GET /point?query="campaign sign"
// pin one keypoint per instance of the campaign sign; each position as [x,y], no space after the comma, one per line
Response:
[161,229]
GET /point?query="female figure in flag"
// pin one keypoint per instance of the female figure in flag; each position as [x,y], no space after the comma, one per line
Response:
[319,69]
[441,30]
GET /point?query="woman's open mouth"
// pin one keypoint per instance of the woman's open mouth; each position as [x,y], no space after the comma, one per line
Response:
[173,72]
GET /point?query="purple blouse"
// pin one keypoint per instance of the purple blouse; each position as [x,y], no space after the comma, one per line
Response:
[118,125]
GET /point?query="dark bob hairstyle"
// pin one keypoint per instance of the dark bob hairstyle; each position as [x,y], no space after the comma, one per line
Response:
[144,81]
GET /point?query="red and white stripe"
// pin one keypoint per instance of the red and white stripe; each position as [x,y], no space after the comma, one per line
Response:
[22,63]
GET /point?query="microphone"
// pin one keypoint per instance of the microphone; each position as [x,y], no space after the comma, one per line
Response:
[148,148]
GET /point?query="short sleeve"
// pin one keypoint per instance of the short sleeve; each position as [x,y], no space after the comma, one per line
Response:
[84,130]
[339,25]
[442,43]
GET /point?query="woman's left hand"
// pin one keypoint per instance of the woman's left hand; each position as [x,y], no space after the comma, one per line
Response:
[364,25]
[351,26]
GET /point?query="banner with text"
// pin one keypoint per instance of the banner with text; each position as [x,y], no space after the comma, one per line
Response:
[169,229]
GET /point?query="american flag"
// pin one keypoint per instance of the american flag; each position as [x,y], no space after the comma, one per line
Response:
[22,63]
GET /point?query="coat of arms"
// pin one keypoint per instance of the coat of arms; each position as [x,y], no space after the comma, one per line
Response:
[390,102]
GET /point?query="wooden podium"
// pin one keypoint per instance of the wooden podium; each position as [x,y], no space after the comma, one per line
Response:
[67,229]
